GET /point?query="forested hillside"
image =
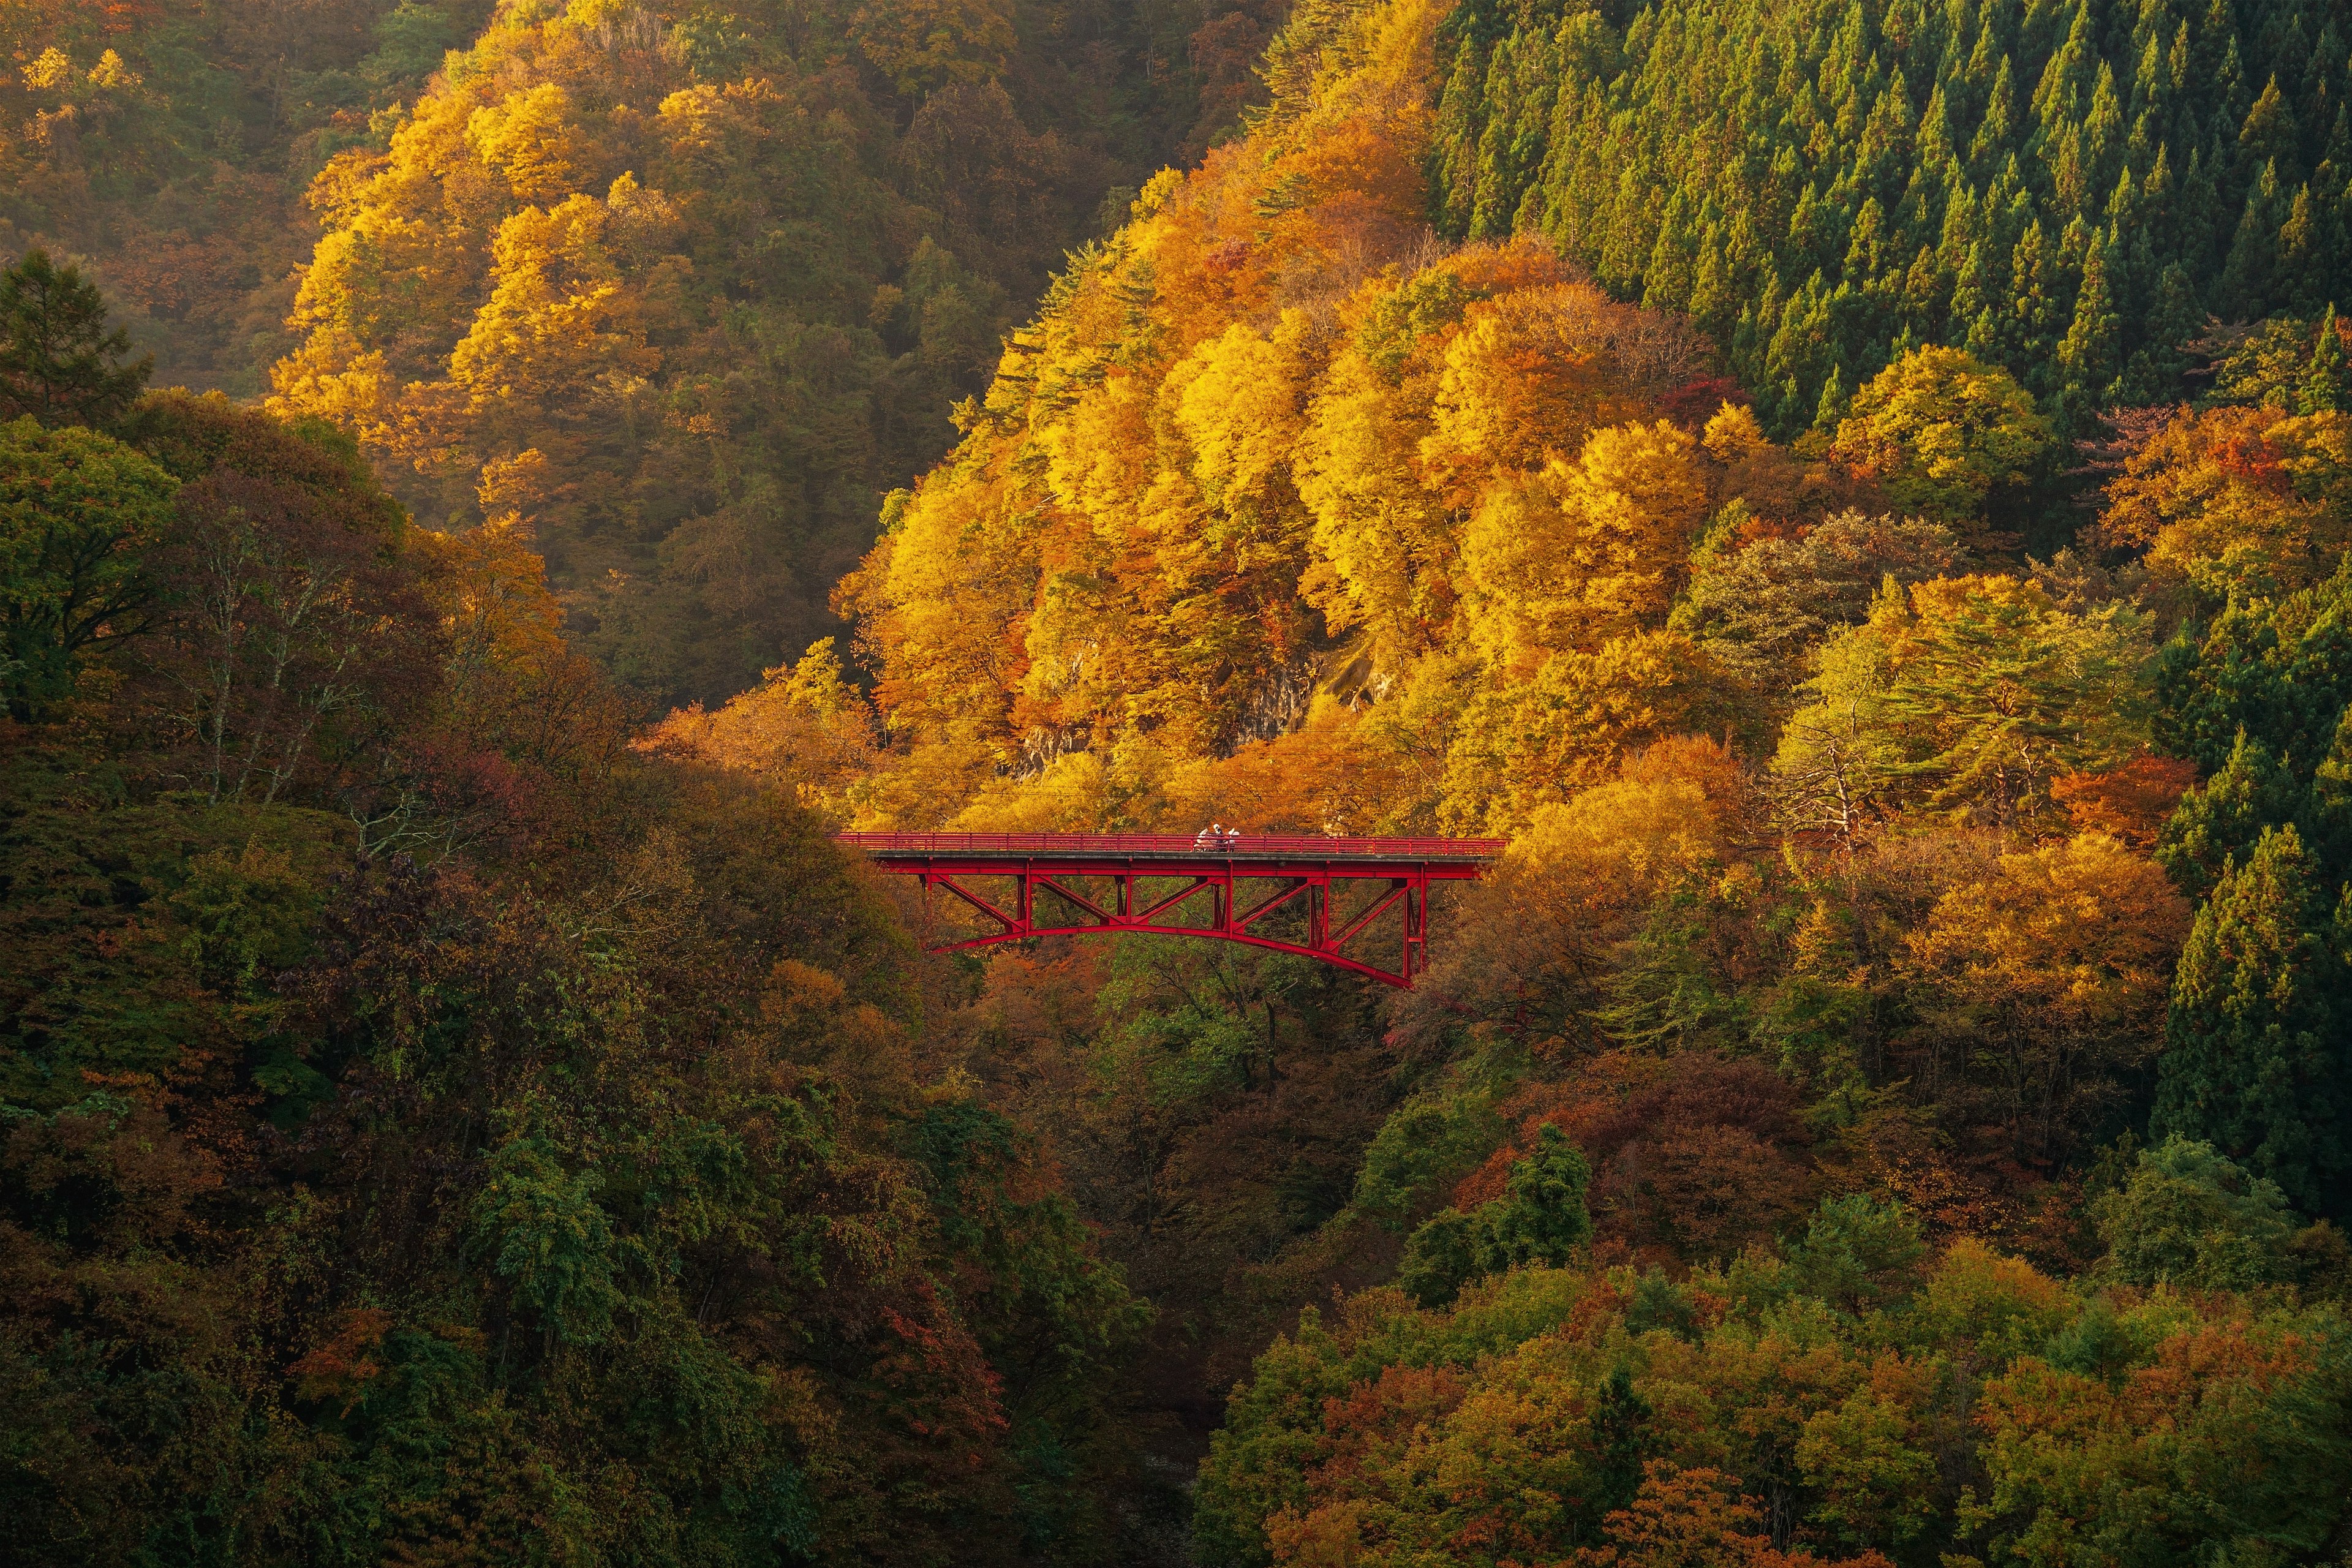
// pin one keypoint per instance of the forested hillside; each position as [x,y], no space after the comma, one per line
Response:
[1888,1104]
[686,290]
[167,146]
[434,1131]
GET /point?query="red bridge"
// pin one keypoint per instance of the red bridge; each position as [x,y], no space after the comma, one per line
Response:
[1155,883]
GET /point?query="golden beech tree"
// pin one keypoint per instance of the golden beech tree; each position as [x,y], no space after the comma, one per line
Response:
[1236,399]
[2236,500]
[1520,381]
[1382,540]
[1946,435]
[535,139]
[1520,744]
[2045,985]
[945,611]
[1580,552]
[559,337]
[1193,504]
[1535,940]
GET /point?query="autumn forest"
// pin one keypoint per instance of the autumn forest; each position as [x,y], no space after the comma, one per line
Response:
[1856,499]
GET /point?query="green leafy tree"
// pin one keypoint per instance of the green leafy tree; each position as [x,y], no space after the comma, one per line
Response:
[1971,692]
[79,515]
[1540,1219]
[1423,1143]
[541,1229]
[1859,1252]
[1441,1257]
[59,362]
[2191,1218]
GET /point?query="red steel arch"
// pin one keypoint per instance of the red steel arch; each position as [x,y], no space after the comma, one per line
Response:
[1301,865]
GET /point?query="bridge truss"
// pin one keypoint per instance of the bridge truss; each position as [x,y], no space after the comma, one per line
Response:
[1321,897]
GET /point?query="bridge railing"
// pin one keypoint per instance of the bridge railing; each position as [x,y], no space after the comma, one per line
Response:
[1254,845]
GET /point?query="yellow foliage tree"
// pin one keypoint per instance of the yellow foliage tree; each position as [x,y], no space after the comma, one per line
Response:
[1945,434]
[1523,744]
[535,141]
[2236,500]
[1262,398]
[559,337]
[1581,552]
[2046,984]
[1537,937]
[804,727]
[1529,374]
[921,44]
[1381,540]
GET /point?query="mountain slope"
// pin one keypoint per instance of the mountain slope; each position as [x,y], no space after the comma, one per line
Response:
[697,400]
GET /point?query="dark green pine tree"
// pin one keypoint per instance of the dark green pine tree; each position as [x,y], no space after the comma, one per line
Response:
[2086,356]
[1835,396]
[1992,138]
[2325,819]
[2153,372]
[2258,1041]
[2268,138]
[1541,1217]
[2199,218]
[2226,817]
[2252,266]
[1625,1437]
[2303,263]
[2034,301]
[58,363]
[1455,139]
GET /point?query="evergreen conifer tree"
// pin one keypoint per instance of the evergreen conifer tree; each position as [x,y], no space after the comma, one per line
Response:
[58,363]
[2258,1044]
[2324,388]
[2095,179]
[1542,1217]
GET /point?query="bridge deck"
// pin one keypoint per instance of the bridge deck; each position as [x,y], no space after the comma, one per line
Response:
[1113,848]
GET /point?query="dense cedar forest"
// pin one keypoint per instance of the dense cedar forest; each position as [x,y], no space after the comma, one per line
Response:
[2069,190]
[1859,499]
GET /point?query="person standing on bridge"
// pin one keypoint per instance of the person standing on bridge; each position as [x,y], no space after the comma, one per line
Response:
[1207,837]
